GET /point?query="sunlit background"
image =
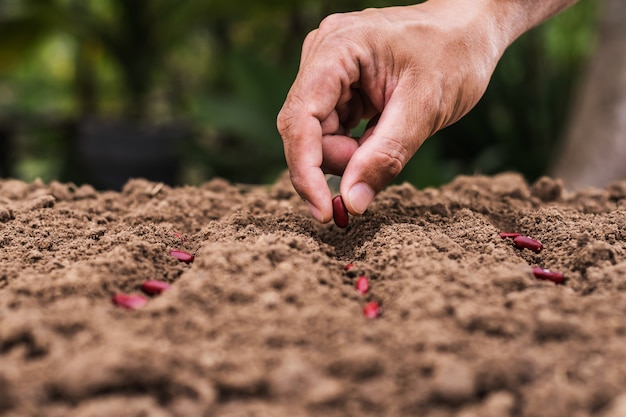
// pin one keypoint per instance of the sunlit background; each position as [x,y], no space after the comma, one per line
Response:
[96,91]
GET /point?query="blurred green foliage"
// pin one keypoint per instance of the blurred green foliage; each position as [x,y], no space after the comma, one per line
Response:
[223,69]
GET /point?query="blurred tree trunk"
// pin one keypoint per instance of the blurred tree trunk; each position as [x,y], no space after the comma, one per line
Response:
[594,147]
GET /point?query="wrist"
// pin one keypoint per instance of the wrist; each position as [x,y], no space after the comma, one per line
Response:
[485,26]
[512,18]
[500,22]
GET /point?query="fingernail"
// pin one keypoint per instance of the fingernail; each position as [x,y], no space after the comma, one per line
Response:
[360,197]
[315,212]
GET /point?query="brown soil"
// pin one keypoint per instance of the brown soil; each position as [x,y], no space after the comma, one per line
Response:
[266,321]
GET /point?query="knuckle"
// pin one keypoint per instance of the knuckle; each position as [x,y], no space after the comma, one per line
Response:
[299,181]
[331,23]
[284,122]
[392,156]
[286,119]
[309,40]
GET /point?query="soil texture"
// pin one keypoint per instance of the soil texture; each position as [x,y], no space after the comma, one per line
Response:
[266,320]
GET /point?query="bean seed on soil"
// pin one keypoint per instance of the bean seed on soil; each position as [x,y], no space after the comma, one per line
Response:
[371,310]
[362,284]
[129,301]
[340,214]
[181,237]
[348,267]
[182,256]
[554,276]
[525,242]
[155,287]
[510,235]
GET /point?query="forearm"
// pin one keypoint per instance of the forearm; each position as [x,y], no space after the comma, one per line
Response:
[520,16]
[504,20]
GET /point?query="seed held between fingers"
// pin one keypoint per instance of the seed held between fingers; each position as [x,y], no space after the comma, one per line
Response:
[340,213]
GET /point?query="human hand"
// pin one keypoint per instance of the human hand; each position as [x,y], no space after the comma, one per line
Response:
[409,70]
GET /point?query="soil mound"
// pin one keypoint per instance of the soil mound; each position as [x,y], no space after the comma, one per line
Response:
[266,320]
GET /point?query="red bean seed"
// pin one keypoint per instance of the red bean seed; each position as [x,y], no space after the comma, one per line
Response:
[154,287]
[362,284]
[340,214]
[525,242]
[131,302]
[510,235]
[348,267]
[371,310]
[182,256]
[554,276]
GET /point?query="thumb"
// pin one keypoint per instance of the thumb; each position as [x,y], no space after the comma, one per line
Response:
[383,152]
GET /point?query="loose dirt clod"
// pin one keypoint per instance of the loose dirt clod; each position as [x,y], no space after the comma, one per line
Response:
[525,242]
[371,310]
[129,301]
[340,214]
[155,287]
[554,276]
[182,256]
[362,284]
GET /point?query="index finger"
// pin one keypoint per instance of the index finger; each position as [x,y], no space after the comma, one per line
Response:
[302,140]
[320,85]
